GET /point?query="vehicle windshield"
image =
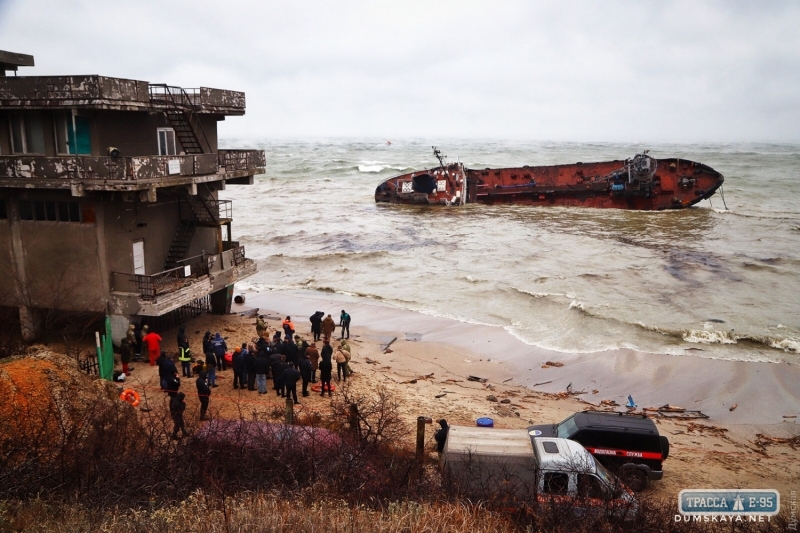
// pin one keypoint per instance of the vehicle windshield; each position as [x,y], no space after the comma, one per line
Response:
[566,428]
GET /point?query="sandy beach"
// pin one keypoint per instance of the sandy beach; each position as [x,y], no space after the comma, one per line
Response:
[763,392]
[428,364]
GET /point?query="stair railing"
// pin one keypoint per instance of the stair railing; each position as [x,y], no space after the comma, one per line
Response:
[187,105]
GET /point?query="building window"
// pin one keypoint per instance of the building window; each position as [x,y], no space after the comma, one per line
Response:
[3,212]
[72,134]
[166,141]
[27,133]
[63,124]
[45,210]
[25,210]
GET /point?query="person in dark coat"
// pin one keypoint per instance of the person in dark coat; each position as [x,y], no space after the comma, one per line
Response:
[207,342]
[173,384]
[276,346]
[237,362]
[277,375]
[137,332]
[290,377]
[262,344]
[166,369]
[327,350]
[177,406]
[290,351]
[313,355]
[325,371]
[125,355]
[211,368]
[305,373]
[203,394]
[441,435]
[274,359]
[316,324]
[260,368]
[220,347]
[249,363]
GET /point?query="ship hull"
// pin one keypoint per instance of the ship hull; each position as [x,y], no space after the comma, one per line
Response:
[660,184]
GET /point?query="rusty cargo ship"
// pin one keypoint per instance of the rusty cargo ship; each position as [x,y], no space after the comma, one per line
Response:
[641,182]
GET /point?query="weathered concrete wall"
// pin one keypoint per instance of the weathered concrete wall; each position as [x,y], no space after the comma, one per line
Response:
[133,133]
[91,87]
[67,264]
[61,259]
[156,224]
[5,142]
[127,222]
[7,294]
[205,240]
[209,123]
[221,98]
[136,134]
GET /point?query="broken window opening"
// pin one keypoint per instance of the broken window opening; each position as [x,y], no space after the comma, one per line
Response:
[424,183]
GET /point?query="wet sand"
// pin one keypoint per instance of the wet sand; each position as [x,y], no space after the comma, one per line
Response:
[763,392]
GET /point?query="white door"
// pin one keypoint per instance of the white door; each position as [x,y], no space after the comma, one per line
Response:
[138,257]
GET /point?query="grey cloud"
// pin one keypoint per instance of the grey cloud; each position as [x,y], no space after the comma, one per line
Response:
[607,71]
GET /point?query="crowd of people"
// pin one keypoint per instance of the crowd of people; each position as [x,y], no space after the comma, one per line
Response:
[286,359]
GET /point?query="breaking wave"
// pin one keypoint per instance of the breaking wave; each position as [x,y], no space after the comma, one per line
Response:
[376,166]
[360,255]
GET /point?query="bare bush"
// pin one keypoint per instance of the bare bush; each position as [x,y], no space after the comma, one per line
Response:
[79,466]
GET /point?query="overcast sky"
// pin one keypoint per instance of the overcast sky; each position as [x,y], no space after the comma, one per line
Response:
[682,71]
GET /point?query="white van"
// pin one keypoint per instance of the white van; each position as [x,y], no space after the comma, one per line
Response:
[513,466]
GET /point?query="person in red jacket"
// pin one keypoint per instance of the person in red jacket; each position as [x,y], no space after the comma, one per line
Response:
[153,342]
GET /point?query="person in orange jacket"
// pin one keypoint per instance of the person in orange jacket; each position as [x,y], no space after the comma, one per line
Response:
[288,328]
[153,342]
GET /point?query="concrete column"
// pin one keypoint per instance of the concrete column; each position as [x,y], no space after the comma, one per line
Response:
[221,301]
[102,259]
[29,324]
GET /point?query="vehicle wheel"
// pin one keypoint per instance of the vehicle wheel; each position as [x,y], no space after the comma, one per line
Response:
[634,478]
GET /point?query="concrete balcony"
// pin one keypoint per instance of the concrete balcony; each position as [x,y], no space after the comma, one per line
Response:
[196,277]
[102,92]
[127,173]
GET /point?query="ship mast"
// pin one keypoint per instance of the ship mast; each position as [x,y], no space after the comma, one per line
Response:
[439,156]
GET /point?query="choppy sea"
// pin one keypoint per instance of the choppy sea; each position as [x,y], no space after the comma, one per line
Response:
[719,280]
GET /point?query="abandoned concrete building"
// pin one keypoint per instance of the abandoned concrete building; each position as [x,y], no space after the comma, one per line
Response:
[109,197]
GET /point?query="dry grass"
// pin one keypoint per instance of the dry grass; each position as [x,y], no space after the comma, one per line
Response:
[307,511]
[255,513]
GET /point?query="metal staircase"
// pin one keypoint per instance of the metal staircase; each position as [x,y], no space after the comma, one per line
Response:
[195,211]
[179,107]
[206,211]
[180,243]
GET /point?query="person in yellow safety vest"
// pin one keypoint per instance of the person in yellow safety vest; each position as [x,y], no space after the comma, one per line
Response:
[184,353]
